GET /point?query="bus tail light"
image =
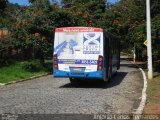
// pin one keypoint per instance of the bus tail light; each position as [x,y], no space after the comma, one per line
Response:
[100,63]
[55,58]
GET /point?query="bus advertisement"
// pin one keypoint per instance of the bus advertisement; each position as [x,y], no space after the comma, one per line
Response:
[79,53]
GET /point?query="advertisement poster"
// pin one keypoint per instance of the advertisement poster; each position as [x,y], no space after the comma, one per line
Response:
[78,47]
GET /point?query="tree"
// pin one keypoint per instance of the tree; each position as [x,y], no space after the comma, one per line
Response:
[32,27]
[155,7]
[3,6]
[28,22]
[124,19]
[88,13]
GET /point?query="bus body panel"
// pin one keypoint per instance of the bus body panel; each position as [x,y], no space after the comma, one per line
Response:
[78,49]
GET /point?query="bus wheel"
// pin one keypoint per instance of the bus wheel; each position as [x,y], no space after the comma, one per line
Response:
[72,80]
[109,74]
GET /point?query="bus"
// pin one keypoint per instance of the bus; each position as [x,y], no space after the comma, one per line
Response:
[85,53]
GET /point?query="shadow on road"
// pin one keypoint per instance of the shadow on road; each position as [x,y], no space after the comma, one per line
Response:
[116,80]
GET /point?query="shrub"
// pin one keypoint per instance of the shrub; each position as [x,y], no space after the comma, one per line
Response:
[33,66]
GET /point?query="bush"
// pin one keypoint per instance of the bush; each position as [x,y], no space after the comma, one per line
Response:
[33,66]
[49,65]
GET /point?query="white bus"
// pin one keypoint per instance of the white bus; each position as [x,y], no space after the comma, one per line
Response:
[86,53]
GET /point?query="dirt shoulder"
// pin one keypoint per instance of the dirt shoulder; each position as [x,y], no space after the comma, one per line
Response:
[153,96]
[153,91]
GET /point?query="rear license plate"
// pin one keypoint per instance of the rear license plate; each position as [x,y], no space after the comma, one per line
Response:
[77,69]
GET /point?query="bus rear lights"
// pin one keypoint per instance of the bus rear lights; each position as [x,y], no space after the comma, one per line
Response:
[99,68]
[100,60]
[56,67]
[100,64]
[55,62]
[55,57]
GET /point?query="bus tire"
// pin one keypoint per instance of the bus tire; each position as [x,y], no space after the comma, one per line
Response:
[109,74]
[72,80]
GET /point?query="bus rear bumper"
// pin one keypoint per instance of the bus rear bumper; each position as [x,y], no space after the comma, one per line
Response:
[59,73]
[96,74]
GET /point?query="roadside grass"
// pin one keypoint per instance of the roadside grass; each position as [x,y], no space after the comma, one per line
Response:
[17,71]
[153,96]
[153,91]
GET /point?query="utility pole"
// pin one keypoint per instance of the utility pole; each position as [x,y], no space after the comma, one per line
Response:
[149,46]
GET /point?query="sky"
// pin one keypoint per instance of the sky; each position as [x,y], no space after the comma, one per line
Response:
[25,2]
[20,2]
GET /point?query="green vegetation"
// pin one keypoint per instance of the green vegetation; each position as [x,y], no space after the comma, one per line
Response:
[153,89]
[3,6]
[23,70]
[153,95]
[31,28]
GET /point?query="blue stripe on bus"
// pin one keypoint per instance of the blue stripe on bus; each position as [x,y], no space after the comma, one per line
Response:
[77,61]
[95,75]
[60,48]
[91,52]
[59,73]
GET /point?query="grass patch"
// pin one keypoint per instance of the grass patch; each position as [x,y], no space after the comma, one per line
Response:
[153,91]
[17,71]
[153,95]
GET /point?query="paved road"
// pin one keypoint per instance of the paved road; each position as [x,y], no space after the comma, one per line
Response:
[48,95]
